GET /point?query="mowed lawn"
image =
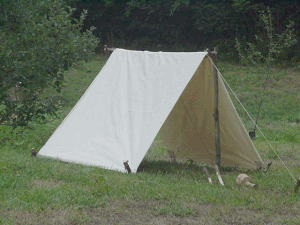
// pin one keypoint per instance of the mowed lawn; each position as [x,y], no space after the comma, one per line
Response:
[44,191]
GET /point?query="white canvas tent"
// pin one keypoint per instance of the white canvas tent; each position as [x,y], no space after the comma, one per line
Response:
[139,93]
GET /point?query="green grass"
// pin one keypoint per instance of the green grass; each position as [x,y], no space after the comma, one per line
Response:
[45,191]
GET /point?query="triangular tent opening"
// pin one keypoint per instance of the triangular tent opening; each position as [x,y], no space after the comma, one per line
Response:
[139,93]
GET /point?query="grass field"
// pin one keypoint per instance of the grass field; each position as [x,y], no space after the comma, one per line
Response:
[45,191]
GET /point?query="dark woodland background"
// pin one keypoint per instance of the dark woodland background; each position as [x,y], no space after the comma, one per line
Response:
[186,25]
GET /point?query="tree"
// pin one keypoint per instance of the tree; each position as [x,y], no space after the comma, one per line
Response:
[269,44]
[267,48]
[39,40]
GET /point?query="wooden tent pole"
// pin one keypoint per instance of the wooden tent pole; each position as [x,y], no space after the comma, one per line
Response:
[213,56]
[108,51]
[207,174]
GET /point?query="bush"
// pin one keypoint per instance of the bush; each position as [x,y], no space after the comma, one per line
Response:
[39,40]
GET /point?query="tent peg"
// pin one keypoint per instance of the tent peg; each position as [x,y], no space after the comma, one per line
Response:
[207,174]
[33,152]
[268,167]
[172,156]
[190,161]
[297,185]
[126,165]
[218,175]
[252,134]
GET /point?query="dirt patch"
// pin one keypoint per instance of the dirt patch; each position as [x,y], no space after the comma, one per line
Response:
[129,212]
[47,217]
[148,212]
[46,184]
[132,212]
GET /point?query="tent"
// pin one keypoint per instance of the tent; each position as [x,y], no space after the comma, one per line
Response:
[138,94]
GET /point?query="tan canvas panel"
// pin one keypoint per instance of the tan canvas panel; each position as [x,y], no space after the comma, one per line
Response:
[189,129]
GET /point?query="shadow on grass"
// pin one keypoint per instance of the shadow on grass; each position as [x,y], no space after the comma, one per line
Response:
[161,166]
[189,168]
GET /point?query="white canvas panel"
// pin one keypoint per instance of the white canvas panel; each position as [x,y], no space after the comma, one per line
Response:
[122,111]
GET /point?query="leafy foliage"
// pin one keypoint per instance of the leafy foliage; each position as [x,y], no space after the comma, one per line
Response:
[266,49]
[185,25]
[268,45]
[38,41]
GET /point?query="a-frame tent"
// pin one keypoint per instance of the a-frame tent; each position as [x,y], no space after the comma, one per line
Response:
[138,94]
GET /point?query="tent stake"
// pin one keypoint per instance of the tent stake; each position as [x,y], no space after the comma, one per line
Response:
[207,174]
[268,167]
[126,165]
[33,152]
[172,156]
[218,175]
[297,186]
